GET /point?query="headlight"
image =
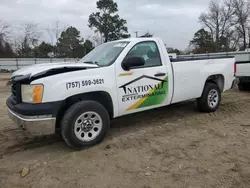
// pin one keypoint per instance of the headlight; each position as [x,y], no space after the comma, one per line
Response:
[32,93]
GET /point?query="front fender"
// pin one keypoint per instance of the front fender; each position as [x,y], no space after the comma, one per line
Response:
[62,86]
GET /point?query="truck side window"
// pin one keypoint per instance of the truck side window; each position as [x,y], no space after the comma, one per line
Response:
[149,51]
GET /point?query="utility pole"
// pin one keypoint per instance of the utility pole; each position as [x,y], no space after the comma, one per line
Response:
[136,33]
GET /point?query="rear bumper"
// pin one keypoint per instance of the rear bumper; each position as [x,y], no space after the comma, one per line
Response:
[34,125]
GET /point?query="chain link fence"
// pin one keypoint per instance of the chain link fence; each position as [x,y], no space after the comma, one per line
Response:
[13,64]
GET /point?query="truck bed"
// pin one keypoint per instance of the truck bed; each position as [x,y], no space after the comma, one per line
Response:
[191,74]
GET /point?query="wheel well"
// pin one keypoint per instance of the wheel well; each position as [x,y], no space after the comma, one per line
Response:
[101,97]
[217,79]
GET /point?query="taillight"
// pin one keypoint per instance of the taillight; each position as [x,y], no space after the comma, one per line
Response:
[235,69]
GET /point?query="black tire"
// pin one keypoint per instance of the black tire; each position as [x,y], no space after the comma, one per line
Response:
[203,102]
[70,117]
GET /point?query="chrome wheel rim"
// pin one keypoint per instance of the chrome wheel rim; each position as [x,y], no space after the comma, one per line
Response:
[88,126]
[213,98]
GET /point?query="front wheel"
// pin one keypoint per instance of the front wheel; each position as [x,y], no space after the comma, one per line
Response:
[210,99]
[85,123]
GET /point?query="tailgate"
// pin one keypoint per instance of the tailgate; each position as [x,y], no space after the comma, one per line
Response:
[243,68]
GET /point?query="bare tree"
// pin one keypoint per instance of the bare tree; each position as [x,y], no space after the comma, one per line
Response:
[6,49]
[226,18]
[232,40]
[218,19]
[241,18]
[5,31]
[54,31]
[29,36]
[97,39]
[31,33]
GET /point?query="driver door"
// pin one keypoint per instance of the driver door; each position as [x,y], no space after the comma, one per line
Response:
[144,87]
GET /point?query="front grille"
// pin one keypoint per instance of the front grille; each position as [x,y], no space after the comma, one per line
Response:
[16,92]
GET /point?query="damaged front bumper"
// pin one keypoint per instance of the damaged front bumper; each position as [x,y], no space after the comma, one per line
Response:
[34,125]
[34,119]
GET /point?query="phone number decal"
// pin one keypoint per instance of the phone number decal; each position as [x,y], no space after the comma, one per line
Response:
[84,83]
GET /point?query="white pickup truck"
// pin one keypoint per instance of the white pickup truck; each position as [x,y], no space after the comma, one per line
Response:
[115,79]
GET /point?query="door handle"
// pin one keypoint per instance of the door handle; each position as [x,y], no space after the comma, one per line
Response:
[160,74]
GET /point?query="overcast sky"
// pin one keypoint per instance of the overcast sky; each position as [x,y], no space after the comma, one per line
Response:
[175,21]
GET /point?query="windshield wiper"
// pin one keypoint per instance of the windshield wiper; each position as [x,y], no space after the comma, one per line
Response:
[91,62]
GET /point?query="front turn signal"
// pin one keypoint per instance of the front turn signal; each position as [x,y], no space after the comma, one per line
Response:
[37,93]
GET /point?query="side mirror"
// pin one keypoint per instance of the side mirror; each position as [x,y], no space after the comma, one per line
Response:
[133,61]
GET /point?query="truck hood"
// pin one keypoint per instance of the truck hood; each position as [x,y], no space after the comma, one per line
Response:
[63,67]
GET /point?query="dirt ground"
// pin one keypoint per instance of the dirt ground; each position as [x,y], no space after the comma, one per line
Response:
[174,146]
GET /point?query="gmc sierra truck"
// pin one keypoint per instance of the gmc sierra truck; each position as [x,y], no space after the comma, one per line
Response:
[115,79]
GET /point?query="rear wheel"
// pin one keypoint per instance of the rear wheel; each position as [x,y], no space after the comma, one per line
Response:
[85,123]
[210,99]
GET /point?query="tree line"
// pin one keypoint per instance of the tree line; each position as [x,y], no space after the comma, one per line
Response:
[226,27]
[63,41]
